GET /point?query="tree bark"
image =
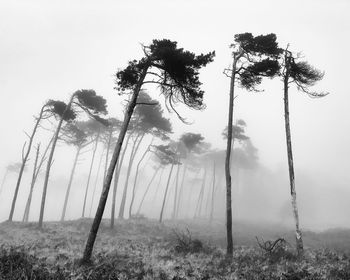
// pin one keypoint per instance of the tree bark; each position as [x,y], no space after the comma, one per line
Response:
[107,182]
[136,175]
[298,235]
[70,183]
[24,161]
[89,176]
[147,189]
[49,162]
[229,249]
[132,157]
[165,194]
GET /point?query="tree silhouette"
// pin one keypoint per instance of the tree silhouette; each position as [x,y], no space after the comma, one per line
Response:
[303,76]
[72,135]
[253,58]
[86,100]
[176,73]
[47,110]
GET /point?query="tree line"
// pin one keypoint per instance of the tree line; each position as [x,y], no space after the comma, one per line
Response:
[175,72]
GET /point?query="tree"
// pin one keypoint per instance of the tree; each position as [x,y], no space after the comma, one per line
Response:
[167,156]
[46,111]
[253,58]
[72,135]
[15,167]
[88,101]
[303,75]
[176,72]
[93,128]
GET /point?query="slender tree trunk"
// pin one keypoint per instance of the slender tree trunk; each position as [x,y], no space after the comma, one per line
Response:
[70,183]
[95,183]
[24,161]
[136,175]
[107,182]
[37,171]
[298,235]
[212,196]
[176,191]
[116,180]
[229,250]
[49,162]
[181,191]
[147,189]
[197,213]
[107,153]
[131,161]
[165,194]
[26,211]
[89,176]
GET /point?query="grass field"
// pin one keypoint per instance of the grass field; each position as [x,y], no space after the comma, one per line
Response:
[145,249]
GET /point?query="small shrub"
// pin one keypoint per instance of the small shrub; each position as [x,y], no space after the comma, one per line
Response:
[185,244]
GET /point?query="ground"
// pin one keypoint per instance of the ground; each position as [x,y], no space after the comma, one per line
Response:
[145,249]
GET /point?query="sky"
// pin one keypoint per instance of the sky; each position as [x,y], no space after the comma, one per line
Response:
[49,49]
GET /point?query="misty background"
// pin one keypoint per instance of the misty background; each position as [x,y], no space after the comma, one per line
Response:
[49,50]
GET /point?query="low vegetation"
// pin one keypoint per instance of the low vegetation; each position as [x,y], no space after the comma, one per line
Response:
[145,249]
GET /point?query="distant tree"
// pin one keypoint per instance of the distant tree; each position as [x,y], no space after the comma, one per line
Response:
[16,167]
[72,135]
[151,121]
[176,72]
[253,58]
[303,75]
[47,110]
[93,129]
[36,171]
[167,156]
[89,102]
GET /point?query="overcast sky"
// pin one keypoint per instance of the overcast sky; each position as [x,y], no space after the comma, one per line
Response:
[49,49]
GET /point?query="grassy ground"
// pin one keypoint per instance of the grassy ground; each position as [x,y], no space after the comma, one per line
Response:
[145,249]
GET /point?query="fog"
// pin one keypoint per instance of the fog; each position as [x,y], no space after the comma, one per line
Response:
[49,50]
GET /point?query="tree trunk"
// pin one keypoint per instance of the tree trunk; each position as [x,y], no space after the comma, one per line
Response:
[181,191]
[197,212]
[176,191]
[107,182]
[24,161]
[26,211]
[70,183]
[165,194]
[107,153]
[49,162]
[147,189]
[95,183]
[89,176]
[131,161]
[136,175]
[298,235]
[116,180]
[37,171]
[212,196]
[229,250]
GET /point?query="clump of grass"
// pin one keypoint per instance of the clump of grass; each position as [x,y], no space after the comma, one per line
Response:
[184,243]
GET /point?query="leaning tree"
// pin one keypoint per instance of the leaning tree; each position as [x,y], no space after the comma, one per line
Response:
[253,58]
[86,100]
[176,72]
[303,75]
[49,109]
